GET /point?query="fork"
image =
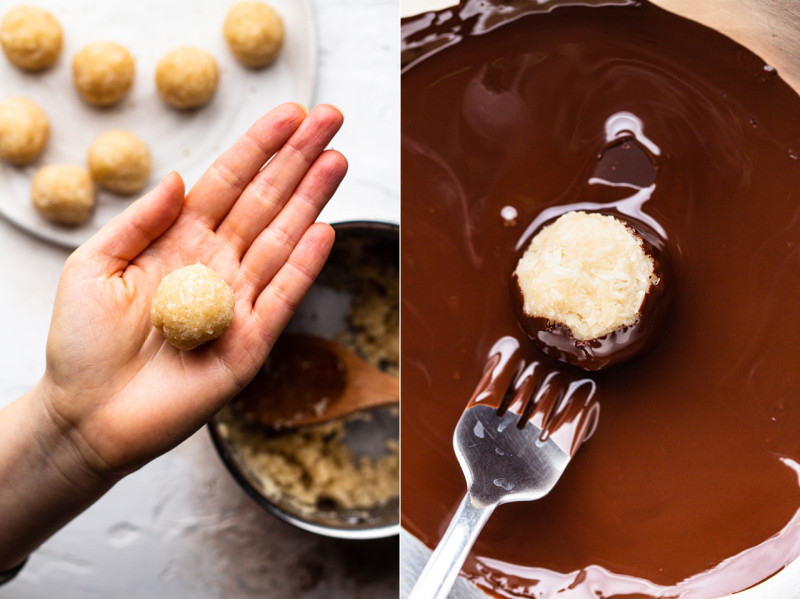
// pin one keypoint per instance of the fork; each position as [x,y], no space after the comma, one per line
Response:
[514,439]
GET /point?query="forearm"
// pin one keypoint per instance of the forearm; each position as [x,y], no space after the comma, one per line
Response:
[44,482]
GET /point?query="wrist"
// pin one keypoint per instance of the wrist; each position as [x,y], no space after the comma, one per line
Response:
[66,428]
[63,441]
[46,480]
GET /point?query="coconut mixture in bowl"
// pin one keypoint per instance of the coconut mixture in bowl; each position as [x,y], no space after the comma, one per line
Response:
[339,478]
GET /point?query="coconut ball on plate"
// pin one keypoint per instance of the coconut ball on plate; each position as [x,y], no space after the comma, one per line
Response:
[187,78]
[590,290]
[24,130]
[63,193]
[254,32]
[31,38]
[103,73]
[119,161]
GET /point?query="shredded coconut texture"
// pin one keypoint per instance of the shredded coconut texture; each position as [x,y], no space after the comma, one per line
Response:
[313,465]
[192,305]
[589,272]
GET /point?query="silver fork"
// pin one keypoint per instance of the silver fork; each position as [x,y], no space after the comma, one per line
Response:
[513,441]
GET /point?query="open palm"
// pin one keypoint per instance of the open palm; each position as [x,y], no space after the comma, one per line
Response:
[112,382]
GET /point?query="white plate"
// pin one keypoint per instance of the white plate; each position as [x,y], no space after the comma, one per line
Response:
[183,141]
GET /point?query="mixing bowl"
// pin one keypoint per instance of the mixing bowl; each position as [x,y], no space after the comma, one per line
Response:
[349,279]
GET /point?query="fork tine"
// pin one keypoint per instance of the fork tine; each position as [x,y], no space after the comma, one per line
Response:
[503,367]
[503,462]
[542,405]
[576,417]
[525,386]
[553,401]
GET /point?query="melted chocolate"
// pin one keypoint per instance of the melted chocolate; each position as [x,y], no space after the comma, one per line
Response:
[689,484]
[561,404]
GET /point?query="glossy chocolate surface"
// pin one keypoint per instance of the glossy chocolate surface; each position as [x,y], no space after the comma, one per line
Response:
[689,485]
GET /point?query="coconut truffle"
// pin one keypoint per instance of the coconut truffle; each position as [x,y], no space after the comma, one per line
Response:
[103,73]
[187,78]
[192,305]
[63,193]
[582,286]
[119,161]
[24,130]
[31,38]
[254,32]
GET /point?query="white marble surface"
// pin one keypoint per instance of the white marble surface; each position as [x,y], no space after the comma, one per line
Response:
[180,527]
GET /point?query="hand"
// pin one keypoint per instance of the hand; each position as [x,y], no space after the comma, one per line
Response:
[113,385]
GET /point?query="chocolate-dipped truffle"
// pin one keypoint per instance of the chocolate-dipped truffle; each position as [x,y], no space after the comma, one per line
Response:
[584,288]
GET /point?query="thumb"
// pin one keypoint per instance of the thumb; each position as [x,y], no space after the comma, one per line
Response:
[129,233]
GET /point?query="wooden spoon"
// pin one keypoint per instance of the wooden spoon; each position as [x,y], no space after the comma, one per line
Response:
[310,380]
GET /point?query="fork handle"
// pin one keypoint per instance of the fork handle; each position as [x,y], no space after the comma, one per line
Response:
[439,574]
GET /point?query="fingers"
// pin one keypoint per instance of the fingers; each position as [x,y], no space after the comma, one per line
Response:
[272,188]
[275,305]
[274,245]
[125,236]
[213,195]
